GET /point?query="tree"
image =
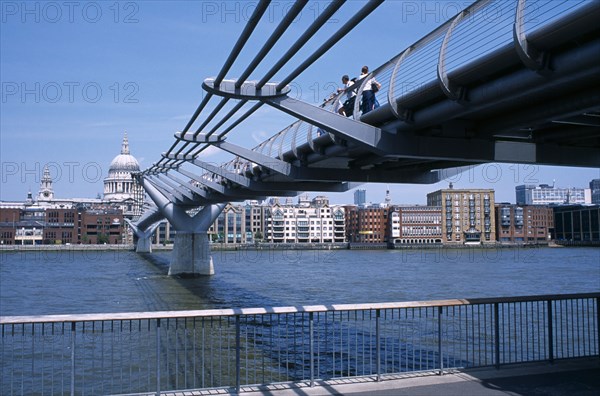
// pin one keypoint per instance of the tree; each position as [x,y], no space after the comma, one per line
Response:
[103,238]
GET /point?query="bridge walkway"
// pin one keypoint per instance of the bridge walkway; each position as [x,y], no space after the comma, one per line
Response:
[563,378]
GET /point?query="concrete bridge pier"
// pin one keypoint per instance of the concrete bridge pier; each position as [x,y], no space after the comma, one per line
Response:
[143,245]
[191,250]
[191,255]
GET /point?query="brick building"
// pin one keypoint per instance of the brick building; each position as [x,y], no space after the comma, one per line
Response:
[467,215]
[366,224]
[102,226]
[33,225]
[524,223]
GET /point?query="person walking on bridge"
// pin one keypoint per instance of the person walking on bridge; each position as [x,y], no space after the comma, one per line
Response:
[347,108]
[368,94]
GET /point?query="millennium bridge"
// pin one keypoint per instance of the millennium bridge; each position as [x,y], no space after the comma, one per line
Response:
[519,88]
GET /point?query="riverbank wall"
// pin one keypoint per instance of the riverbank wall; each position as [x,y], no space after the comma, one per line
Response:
[284,246]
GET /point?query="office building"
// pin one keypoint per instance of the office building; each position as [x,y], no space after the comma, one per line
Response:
[316,223]
[415,225]
[34,225]
[467,215]
[577,223]
[595,191]
[366,224]
[526,224]
[360,197]
[544,194]
[47,219]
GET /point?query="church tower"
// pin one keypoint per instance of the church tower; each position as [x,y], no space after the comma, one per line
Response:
[46,192]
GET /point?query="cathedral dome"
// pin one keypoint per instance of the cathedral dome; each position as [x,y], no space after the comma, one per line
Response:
[124,162]
[120,186]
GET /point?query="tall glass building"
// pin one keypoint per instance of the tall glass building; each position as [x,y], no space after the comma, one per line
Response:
[360,197]
[595,191]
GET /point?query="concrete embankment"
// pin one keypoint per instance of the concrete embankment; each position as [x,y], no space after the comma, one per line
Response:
[280,246]
[66,248]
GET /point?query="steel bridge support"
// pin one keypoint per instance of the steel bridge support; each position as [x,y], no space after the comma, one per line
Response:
[143,237]
[143,229]
[191,251]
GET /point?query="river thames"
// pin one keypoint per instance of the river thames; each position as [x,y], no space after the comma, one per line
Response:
[47,282]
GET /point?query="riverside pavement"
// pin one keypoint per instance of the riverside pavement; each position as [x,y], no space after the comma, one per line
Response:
[571,377]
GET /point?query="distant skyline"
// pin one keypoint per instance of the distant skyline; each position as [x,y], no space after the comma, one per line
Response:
[76,76]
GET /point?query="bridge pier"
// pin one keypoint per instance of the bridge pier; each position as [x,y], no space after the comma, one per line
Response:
[191,255]
[144,229]
[144,244]
[191,250]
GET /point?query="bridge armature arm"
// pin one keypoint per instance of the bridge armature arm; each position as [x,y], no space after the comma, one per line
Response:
[146,220]
[177,215]
[363,135]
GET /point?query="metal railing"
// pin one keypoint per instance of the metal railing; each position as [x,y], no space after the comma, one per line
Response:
[158,351]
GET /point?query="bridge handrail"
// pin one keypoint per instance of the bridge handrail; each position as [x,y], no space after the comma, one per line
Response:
[290,309]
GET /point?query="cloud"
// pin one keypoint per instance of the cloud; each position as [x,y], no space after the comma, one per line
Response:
[261,136]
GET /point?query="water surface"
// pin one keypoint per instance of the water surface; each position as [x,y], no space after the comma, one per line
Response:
[35,283]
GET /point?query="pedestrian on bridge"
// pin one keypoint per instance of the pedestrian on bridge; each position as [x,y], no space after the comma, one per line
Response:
[370,87]
[347,108]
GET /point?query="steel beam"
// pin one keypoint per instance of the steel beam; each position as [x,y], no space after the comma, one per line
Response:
[177,196]
[149,217]
[197,190]
[185,192]
[174,213]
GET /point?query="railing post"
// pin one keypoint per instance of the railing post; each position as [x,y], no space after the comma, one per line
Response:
[157,357]
[598,326]
[311,346]
[377,344]
[550,333]
[440,340]
[73,326]
[238,353]
[497,334]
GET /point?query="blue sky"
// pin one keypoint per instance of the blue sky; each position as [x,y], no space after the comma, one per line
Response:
[76,75]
